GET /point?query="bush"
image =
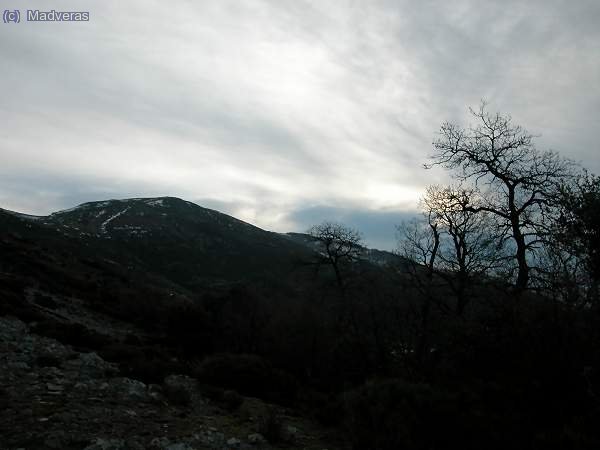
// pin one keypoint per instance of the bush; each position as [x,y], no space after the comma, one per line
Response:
[48,360]
[327,409]
[45,300]
[213,392]
[270,426]
[232,400]
[177,393]
[393,414]
[74,334]
[249,375]
[150,364]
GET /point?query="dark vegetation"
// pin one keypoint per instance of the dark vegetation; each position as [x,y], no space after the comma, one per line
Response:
[484,332]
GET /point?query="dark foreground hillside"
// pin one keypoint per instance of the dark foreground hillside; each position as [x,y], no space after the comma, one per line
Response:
[53,396]
[155,323]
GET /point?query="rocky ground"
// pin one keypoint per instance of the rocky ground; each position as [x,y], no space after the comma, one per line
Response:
[54,397]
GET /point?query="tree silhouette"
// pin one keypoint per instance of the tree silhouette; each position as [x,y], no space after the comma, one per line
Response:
[468,249]
[515,181]
[340,244]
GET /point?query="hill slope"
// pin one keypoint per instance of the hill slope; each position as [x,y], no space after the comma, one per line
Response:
[173,238]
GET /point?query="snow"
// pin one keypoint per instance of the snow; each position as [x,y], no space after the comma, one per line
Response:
[155,202]
[110,219]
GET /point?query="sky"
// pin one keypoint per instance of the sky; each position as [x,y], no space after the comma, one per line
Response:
[281,113]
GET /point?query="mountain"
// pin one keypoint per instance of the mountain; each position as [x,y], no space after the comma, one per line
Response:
[155,287]
[176,239]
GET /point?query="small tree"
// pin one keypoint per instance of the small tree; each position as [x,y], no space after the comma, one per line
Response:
[339,245]
[419,242]
[468,248]
[576,231]
[515,181]
[451,243]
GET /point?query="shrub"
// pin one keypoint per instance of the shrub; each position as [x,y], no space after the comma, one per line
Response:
[327,409]
[394,414]
[232,400]
[247,374]
[45,300]
[47,360]
[177,394]
[270,425]
[214,393]
[74,334]
[150,364]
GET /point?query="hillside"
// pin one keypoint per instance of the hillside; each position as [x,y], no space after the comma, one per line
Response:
[179,240]
[132,281]
[156,323]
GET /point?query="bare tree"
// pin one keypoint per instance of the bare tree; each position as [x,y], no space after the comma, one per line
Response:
[339,245]
[468,249]
[514,180]
[419,242]
[576,234]
[451,244]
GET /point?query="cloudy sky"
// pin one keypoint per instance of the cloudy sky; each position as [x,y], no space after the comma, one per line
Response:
[281,113]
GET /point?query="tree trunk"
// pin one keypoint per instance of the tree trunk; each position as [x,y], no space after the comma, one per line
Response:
[521,256]
[523,274]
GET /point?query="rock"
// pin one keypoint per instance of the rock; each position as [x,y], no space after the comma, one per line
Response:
[52,373]
[129,389]
[57,439]
[233,442]
[155,392]
[18,365]
[107,444]
[160,442]
[290,433]
[156,397]
[54,387]
[180,389]
[256,438]
[50,357]
[64,417]
[92,366]
[179,446]
[83,385]
[210,438]
[155,388]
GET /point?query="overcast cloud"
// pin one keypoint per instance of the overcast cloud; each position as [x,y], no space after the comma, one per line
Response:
[281,113]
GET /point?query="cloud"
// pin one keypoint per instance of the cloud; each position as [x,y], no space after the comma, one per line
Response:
[271,107]
[377,228]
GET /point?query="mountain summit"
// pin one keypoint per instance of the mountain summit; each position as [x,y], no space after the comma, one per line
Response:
[177,239]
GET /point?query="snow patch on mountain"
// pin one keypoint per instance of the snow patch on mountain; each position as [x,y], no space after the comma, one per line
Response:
[110,219]
[156,202]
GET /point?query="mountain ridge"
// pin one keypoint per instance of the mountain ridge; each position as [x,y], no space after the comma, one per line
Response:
[116,218]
